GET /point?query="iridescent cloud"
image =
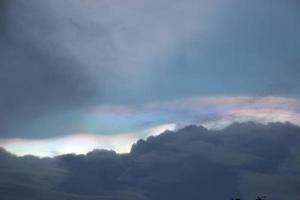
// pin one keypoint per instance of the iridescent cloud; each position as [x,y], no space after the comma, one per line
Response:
[80,143]
[212,112]
[118,127]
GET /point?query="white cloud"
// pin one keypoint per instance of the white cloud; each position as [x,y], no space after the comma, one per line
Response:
[80,143]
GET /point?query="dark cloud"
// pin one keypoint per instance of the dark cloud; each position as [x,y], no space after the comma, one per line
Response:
[34,80]
[4,6]
[242,160]
[56,56]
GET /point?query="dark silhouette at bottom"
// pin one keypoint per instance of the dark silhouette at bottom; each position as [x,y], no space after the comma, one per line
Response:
[258,198]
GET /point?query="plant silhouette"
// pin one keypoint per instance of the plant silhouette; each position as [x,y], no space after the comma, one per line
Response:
[258,198]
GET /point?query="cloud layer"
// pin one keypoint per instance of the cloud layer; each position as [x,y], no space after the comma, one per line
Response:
[243,160]
[61,58]
[80,143]
[117,127]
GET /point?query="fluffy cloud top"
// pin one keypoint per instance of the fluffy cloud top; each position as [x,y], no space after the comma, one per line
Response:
[243,160]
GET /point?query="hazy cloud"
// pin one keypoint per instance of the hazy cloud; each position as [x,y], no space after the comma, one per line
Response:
[60,57]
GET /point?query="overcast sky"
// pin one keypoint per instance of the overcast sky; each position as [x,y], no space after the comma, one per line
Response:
[115,68]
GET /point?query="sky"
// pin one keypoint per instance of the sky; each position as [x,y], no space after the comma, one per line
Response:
[77,75]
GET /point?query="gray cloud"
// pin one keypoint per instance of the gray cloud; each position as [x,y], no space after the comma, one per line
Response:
[59,55]
[242,160]
[34,80]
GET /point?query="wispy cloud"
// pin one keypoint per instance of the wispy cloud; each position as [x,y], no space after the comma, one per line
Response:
[213,112]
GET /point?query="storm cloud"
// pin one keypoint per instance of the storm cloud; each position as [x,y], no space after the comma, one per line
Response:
[59,58]
[243,160]
[110,72]
[34,80]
